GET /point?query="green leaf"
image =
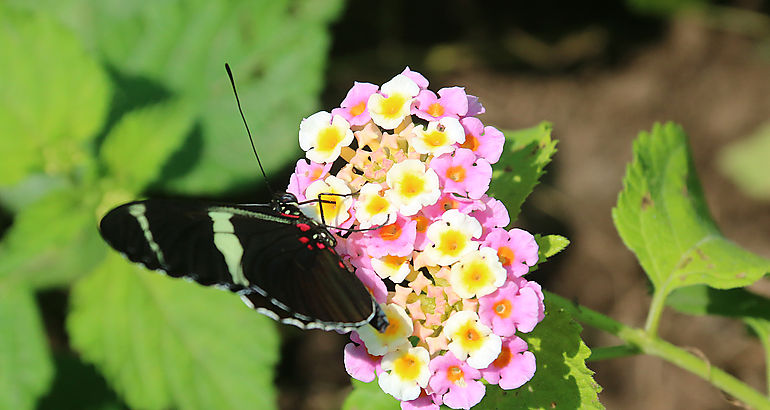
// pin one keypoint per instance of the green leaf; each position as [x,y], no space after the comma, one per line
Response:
[522,164]
[52,241]
[26,370]
[164,343]
[662,217]
[369,396]
[53,96]
[277,50]
[143,140]
[550,245]
[562,379]
[702,300]
[745,163]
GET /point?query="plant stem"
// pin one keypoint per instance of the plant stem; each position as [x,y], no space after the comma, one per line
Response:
[612,352]
[652,345]
[656,309]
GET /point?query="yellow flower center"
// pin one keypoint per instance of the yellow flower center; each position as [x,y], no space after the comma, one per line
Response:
[506,255]
[456,173]
[470,338]
[451,242]
[328,139]
[503,308]
[476,274]
[435,110]
[411,185]
[435,138]
[392,105]
[393,261]
[471,142]
[407,367]
[357,109]
[329,205]
[376,204]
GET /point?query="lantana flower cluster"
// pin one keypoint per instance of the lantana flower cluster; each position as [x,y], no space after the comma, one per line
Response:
[412,190]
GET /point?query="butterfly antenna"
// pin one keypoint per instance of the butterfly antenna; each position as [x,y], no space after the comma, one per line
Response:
[243,117]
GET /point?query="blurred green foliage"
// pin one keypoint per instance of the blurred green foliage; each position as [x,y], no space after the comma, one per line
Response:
[100,100]
[745,163]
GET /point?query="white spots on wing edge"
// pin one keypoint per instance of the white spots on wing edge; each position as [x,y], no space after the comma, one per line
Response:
[137,211]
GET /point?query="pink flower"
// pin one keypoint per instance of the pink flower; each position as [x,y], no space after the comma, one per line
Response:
[456,381]
[462,173]
[353,107]
[474,106]
[418,78]
[516,249]
[451,201]
[486,142]
[451,102]
[527,321]
[359,364]
[497,309]
[396,239]
[493,215]
[305,173]
[424,402]
[422,222]
[513,367]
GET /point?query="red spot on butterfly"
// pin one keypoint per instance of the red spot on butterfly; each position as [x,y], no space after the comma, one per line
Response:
[290,216]
[304,239]
[320,245]
[342,265]
[309,246]
[303,227]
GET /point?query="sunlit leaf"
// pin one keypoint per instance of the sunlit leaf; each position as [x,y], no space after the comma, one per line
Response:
[662,217]
[523,162]
[562,379]
[165,343]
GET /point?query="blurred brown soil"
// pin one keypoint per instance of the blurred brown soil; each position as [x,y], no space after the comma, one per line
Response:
[717,86]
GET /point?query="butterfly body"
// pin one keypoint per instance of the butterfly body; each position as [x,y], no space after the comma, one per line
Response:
[281,262]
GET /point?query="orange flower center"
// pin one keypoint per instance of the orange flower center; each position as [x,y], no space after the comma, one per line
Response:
[357,109]
[456,173]
[422,223]
[503,308]
[454,374]
[506,255]
[471,142]
[503,359]
[390,232]
[435,110]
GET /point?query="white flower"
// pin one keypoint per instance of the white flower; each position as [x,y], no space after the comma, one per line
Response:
[394,267]
[411,186]
[452,238]
[477,274]
[400,327]
[372,208]
[405,372]
[389,108]
[335,207]
[439,137]
[472,340]
[323,136]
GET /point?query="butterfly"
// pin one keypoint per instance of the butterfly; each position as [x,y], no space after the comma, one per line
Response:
[281,262]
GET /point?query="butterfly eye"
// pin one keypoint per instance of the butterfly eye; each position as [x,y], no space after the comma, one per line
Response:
[288,197]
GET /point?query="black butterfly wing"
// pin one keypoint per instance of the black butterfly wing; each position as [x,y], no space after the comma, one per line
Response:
[278,268]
